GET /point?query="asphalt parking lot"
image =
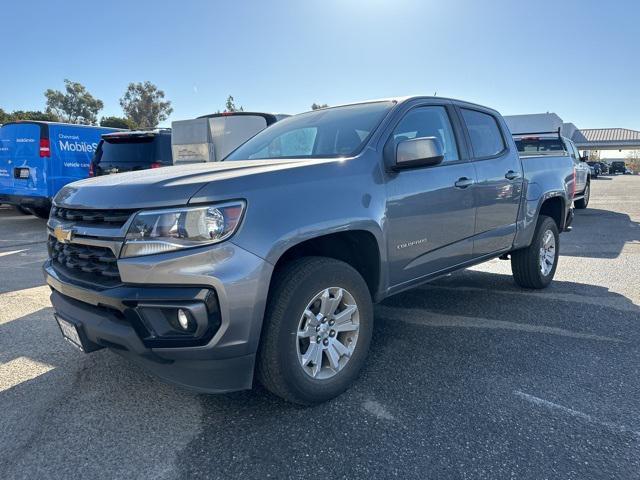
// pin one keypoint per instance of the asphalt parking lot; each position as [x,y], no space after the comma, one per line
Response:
[468,377]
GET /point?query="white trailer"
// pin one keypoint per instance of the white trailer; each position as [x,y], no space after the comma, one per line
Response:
[211,138]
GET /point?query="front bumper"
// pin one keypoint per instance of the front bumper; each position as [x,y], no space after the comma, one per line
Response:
[110,317]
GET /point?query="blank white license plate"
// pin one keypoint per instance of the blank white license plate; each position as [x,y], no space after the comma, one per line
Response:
[70,332]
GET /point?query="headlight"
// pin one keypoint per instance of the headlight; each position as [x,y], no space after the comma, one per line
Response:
[160,231]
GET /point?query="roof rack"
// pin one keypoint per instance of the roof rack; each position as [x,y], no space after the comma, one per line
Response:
[557,132]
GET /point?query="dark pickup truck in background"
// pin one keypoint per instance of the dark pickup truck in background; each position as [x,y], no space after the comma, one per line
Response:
[268,264]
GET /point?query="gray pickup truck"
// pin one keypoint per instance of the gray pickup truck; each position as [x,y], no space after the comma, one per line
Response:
[267,264]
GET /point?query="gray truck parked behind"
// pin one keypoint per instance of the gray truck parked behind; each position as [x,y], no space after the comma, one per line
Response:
[267,264]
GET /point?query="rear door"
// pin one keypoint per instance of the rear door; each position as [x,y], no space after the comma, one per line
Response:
[430,210]
[22,168]
[499,181]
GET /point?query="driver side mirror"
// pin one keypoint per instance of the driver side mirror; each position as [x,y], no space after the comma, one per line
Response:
[418,152]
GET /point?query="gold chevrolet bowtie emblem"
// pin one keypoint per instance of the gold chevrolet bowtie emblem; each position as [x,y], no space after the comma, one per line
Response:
[62,235]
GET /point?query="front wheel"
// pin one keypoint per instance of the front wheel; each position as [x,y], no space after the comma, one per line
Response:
[535,266]
[41,212]
[317,330]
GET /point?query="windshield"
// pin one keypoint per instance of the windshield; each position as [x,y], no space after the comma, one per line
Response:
[539,145]
[331,132]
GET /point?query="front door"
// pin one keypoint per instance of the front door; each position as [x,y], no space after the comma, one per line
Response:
[430,210]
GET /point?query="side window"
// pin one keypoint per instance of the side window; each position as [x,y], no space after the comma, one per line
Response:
[428,122]
[486,138]
[573,152]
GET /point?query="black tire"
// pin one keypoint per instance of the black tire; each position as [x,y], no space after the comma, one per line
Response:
[295,285]
[525,263]
[23,211]
[41,212]
[584,201]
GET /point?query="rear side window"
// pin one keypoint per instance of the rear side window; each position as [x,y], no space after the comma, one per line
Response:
[486,137]
[428,122]
[539,145]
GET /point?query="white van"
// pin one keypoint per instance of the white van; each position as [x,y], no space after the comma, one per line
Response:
[211,138]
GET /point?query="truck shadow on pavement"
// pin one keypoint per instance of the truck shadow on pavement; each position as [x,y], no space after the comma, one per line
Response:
[436,397]
[600,234]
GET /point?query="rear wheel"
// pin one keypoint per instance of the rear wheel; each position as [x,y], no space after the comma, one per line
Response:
[584,201]
[535,266]
[23,211]
[317,330]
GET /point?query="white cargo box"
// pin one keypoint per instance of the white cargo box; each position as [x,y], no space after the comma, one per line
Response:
[213,137]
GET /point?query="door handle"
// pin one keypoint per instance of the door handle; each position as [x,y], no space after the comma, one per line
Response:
[511,175]
[463,182]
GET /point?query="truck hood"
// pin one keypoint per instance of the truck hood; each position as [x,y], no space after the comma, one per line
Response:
[160,187]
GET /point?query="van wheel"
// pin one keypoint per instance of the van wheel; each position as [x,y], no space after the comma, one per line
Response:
[584,201]
[317,330]
[535,266]
[41,212]
[23,211]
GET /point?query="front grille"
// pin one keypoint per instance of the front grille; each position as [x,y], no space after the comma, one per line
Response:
[93,217]
[84,262]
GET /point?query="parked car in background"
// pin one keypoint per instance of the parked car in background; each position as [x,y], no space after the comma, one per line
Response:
[595,168]
[553,143]
[211,138]
[604,168]
[266,265]
[132,150]
[618,166]
[38,158]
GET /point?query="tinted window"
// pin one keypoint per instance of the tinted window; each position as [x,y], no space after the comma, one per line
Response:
[486,138]
[135,150]
[331,132]
[539,145]
[428,122]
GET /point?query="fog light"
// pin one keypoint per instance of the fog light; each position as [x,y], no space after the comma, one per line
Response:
[183,319]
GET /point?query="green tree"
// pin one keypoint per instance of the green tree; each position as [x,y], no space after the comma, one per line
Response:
[6,117]
[230,105]
[77,105]
[117,122]
[144,105]
[318,106]
[35,115]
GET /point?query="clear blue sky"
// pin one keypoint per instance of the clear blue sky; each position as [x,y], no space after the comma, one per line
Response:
[576,58]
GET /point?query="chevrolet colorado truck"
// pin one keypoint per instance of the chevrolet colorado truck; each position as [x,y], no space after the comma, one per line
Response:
[266,265]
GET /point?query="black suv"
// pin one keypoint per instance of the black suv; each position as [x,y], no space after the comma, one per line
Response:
[127,151]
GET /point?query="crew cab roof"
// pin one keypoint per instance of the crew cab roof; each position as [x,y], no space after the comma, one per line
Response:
[409,98]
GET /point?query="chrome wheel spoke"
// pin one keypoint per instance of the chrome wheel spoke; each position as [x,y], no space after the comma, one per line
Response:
[340,348]
[311,354]
[334,357]
[346,326]
[345,315]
